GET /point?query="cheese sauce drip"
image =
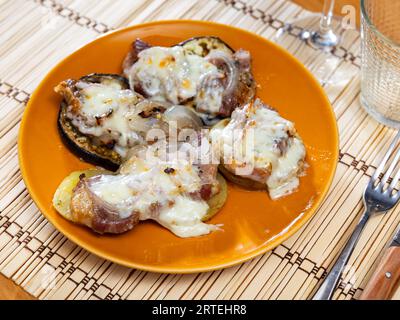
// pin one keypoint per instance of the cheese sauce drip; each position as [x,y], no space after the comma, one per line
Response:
[104,113]
[158,191]
[176,76]
[273,150]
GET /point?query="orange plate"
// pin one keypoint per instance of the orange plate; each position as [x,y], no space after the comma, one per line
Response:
[252,223]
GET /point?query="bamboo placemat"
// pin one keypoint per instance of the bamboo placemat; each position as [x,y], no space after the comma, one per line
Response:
[35,35]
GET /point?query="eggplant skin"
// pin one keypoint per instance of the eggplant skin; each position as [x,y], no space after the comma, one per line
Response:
[202,46]
[97,77]
[80,144]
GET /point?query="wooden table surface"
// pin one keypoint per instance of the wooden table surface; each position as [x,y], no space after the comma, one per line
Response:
[11,291]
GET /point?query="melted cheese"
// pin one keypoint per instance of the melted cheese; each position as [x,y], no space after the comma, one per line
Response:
[175,76]
[284,176]
[257,132]
[184,218]
[104,113]
[100,99]
[146,187]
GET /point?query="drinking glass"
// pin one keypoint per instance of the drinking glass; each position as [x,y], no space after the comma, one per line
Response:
[380,69]
[317,32]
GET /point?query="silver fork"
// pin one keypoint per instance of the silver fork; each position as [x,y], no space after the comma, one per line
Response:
[377,199]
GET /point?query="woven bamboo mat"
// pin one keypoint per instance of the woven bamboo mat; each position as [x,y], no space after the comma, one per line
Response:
[35,35]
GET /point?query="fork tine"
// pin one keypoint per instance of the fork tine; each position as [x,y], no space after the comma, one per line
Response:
[395,180]
[386,158]
[390,170]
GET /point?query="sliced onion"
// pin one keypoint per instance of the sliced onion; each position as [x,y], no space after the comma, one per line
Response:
[142,124]
[184,116]
[233,72]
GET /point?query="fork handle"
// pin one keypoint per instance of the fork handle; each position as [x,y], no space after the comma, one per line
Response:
[385,278]
[325,292]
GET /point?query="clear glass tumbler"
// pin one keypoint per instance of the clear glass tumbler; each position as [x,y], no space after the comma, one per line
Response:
[380,74]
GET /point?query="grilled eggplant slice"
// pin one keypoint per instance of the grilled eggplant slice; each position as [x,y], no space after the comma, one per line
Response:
[276,158]
[91,148]
[101,119]
[203,73]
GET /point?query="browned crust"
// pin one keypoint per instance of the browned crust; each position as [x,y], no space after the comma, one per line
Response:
[69,92]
